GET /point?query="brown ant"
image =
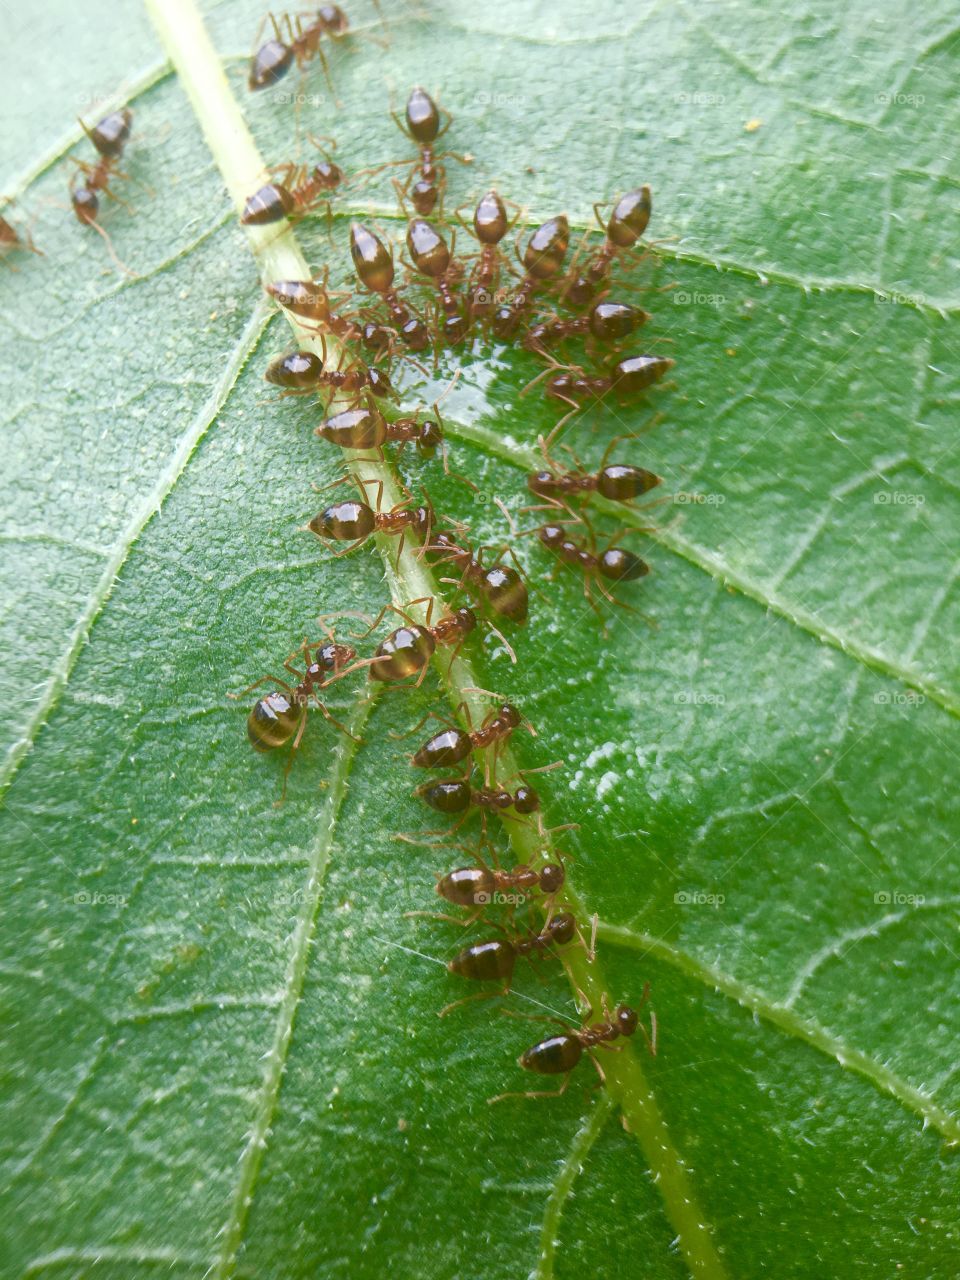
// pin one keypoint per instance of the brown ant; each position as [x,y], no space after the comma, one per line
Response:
[542,259]
[300,373]
[495,959]
[500,587]
[408,649]
[109,137]
[453,744]
[615,564]
[14,241]
[297,190]
[354,521]
[490,225]
[364,427]
[282,715]
[459,796]
[431,257]
[304,33]
[310,300]
[617,481]
[478,886]
[606,322]
[559,1054]
[572,385]
[373,262]
[423,125]
[623,229]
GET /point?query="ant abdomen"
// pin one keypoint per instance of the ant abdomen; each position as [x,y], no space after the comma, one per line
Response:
[636,373]
[490,961]
[270,63]
[344,522]
[358,428]
[272,721]
[403,653]
[296,371]
[272,203]
[620,482]
[620,565]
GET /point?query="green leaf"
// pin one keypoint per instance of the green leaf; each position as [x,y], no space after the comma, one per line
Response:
[224,1051]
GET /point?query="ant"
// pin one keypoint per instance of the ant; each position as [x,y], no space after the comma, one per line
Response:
[301,372]
[431,257]
[542,259]
[559,1054]
[490,225]
[310,300]
[297,191]
[495,959]
[458,796]
[618,481]
[454,744]
[616,564]
[477,886]
[354,521]
[109,137]
[14,241]
[625,226]
[374,266]
[366,428]
[606,322]
[304,32]
[282,715]
[409,648]
[424,124]
[501,588]
[572,385]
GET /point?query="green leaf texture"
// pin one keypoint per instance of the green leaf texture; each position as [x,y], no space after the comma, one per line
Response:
[221,1029]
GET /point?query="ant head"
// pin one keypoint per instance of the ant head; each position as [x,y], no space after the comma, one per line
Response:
[327,175]
[467,619]
[542,483]
[85,204]
[562,928]
[331,657]
[431,434]
[333,19]
[510,716]
[626,1019]
[526,800]
[551,878]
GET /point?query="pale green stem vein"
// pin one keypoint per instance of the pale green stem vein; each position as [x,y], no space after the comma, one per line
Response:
[279,257]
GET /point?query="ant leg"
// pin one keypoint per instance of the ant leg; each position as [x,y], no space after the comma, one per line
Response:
[431,715]
[327,715]
[267,679]
[478,995]
[533,1093]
